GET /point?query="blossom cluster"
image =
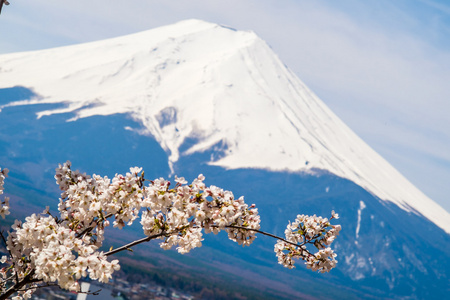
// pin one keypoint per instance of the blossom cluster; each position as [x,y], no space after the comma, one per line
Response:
[54,253]
[176,215]
[62,249]
[66,248]
[4,205]
[184,211]
[309,230]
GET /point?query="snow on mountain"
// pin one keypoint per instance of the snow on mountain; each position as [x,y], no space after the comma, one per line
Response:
[214,85]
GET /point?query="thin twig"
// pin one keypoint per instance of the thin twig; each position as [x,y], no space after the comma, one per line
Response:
[149,238]
[137,242]
[96,293]
[27,279]
[90,228]
[10,254]
[269,234]
[37,287]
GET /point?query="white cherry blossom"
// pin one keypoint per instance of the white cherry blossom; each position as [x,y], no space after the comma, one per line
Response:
[63,249]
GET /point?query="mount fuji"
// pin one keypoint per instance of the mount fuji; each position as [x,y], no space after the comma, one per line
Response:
[196,97]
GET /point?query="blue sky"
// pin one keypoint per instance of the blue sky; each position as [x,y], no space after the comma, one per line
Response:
[382,66]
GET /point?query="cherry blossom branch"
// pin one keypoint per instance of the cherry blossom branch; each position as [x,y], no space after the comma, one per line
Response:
[264,233]
[152,237]
[15,288]
[65,249]
[38,287]
[272,236]
[90,227]
[10,254]
[137,242]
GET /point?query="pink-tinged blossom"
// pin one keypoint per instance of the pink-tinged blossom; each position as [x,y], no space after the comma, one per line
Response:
[67,248]
[4,204]
[309,230]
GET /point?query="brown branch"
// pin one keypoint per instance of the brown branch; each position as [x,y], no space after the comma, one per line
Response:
[137,242]
[149,238]
[9,251]
[5,281]
[271,235]
[38,287]
[27,279]
[90,227]
[96,293]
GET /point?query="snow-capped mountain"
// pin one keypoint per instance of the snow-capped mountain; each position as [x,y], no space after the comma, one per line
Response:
[234,91]
[200,97]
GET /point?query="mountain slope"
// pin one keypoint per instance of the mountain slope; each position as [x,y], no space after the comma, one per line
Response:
[196,97]
[383,251]
[197,81]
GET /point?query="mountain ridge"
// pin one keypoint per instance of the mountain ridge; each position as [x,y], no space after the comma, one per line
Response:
[383,251]
[180,94]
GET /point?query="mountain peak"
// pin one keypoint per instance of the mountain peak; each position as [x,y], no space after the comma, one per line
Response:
[221,87]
